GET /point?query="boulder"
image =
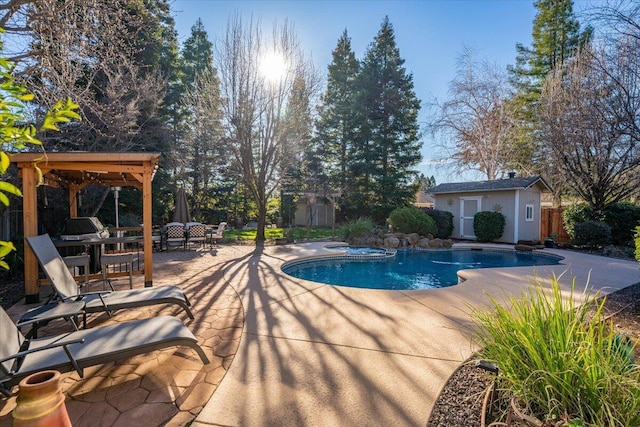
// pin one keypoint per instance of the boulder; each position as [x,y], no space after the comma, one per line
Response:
[423,243]
[435,243]
[358,241]
[413,239]
[391,241]
[372,241]
[524,248]
[448,243]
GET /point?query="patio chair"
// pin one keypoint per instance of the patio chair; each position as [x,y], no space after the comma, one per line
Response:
[195,234]
[20,357]
[217,234]
[175,234]
[66,289]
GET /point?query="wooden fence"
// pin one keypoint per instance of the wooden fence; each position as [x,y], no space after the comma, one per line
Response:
[551,222]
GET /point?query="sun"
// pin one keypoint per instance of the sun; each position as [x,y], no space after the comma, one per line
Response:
[273,66]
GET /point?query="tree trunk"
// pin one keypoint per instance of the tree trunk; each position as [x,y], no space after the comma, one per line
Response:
[262,220]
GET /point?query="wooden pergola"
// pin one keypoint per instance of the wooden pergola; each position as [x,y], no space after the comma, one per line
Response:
[75,171]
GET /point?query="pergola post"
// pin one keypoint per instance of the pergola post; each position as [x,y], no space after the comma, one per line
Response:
[73,201]
[30,219]
[147,227]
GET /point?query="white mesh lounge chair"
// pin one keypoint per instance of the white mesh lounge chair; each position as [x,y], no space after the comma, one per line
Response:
[77,350]
[66,288]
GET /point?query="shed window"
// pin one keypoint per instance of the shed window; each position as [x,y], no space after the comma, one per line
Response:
[528,213]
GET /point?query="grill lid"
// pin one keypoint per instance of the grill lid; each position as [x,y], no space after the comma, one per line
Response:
[85,225]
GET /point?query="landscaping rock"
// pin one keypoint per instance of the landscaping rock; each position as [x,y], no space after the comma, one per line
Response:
[391,242]
[423,243]
[413,239]
[448,243]
[435,243]
[358,241]
[524,248]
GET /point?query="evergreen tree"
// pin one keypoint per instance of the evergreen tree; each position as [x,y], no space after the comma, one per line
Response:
[299,157]
[556,38]
[197,54]
[198,153]
[159,125]
[336,125]
[158,53]
[386,145]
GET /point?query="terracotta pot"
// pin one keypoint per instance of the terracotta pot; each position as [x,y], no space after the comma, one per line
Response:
[40,402]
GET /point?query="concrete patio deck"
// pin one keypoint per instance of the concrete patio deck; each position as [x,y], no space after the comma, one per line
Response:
[319,355]
[291,352]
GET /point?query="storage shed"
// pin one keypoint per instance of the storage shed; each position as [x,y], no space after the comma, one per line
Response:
[518,199]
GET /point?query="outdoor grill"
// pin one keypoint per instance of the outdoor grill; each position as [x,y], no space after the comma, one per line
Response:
[84,228]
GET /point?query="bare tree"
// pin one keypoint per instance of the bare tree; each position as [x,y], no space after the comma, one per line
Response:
[82,49]
[476,122]
[591,122]
[257,75]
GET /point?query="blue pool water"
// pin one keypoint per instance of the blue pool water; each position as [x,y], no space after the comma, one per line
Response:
[411,269]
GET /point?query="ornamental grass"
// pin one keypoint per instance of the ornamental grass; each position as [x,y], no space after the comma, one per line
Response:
[560,358]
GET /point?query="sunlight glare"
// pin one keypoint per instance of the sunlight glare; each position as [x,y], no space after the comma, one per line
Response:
[273,66]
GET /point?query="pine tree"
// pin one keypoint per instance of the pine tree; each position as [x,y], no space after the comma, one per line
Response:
[556,38]
[336,125]
[387,144]
[197,54]
[296,149]
[199,152]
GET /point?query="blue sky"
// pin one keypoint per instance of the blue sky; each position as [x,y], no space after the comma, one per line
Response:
[430,35]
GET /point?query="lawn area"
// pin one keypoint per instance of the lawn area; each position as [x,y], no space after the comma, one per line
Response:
[274,233]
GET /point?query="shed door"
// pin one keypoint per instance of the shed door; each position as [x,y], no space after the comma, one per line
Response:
[468,208]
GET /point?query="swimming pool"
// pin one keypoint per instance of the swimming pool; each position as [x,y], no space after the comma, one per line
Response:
[410,269]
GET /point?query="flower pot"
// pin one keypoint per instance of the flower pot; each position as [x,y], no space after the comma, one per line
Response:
[40,402]
[549,243]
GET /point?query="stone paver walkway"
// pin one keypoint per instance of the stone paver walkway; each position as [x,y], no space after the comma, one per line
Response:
[165,387]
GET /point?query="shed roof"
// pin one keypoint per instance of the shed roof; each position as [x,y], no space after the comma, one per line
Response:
[515,183]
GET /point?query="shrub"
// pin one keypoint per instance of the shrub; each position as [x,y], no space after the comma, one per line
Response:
[575,214]
[444,222]
[623,219]
[409,219]
[488,226]
[356,228]
[560,358]
[595,233]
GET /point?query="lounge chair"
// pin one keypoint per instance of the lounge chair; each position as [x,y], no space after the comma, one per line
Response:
[195,234]
[77,350]
[66,288]
[217,234]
